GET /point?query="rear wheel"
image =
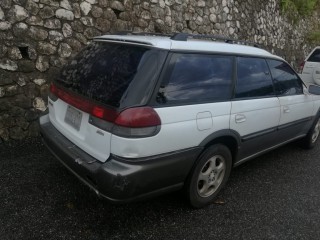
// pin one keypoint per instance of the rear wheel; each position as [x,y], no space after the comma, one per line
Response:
[310,140]
[209,175]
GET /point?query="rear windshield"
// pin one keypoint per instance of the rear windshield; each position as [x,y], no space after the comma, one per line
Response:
[103,71]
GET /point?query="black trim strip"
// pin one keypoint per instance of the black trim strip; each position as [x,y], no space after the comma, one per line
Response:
[287,125]
[193,151]
[274,129]
[258,134]
[266,150]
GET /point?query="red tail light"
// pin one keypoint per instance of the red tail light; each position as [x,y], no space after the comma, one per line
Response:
[83,104]
[132,122]
[302,66]
[138,117]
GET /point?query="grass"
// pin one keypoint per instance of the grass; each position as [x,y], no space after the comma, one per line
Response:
[298,9]
[314,37]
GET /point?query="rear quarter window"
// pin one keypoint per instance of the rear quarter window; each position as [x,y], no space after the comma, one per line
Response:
[197,78]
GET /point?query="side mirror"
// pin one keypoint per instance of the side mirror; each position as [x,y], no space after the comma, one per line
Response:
[314,89]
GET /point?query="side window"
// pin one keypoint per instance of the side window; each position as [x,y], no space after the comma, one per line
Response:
[254,78]
[285,79]
[315,56]
[196,78]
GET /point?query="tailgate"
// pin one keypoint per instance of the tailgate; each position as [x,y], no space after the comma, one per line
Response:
[74,125]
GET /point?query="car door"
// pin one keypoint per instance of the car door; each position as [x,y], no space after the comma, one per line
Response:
[296,108]
[255,111]
[311,69]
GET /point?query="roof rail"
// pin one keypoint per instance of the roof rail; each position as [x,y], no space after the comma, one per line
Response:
[142,33]
[122,33]
[186,36]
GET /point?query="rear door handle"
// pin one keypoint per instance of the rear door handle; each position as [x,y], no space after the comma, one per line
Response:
[286,109]
[240,118]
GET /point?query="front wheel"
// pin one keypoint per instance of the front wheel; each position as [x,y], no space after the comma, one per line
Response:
[209,175]
[310,140]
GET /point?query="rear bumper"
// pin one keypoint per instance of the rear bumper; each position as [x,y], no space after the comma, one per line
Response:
[118,179]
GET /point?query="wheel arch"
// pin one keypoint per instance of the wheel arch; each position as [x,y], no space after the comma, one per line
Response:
[315,117]
[229,138]
[226,141]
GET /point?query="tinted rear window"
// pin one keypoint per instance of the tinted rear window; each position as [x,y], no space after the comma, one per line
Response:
[315,56]
[103,71]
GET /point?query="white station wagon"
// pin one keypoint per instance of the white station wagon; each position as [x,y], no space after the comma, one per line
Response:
[138,115]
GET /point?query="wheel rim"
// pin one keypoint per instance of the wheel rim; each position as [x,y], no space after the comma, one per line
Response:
[316,132]
[211,176]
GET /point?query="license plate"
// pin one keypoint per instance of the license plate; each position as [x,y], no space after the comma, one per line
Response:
[73,117]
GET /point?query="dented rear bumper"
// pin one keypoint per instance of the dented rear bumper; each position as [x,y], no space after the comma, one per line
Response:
[119,179]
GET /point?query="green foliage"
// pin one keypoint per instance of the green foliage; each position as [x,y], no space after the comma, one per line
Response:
[299,7]
[314,37]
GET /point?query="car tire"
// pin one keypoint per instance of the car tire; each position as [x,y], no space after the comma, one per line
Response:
[312,137]
[209,175]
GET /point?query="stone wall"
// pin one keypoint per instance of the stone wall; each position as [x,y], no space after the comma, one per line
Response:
[38,36]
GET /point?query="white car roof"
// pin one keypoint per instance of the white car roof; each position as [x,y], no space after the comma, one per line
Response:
[165,42]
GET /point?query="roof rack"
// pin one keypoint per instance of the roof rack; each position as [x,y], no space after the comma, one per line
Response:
[186,36]
[142,33]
